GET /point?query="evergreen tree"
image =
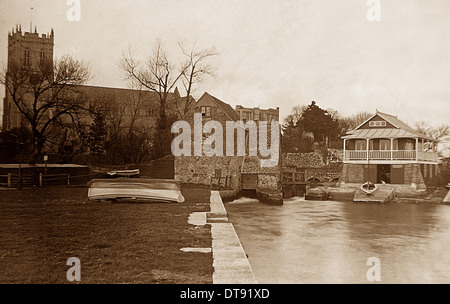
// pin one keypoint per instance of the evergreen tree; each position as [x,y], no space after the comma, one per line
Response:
[320,123]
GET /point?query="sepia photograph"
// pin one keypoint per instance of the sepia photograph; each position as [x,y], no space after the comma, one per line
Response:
[228,149]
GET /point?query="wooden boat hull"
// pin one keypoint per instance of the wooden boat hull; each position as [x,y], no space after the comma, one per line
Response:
[138,190]
[367,189]
[124,173]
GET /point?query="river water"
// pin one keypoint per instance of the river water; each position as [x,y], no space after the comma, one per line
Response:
[331,242]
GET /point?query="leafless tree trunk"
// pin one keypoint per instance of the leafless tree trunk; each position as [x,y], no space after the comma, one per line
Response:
[195,69]
[46,96]
[161,75]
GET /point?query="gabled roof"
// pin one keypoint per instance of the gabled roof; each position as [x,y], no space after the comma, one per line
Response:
[397,122]
[231,113]
[402,130]
[226,108]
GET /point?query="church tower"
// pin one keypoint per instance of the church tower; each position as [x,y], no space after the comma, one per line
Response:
[30,51]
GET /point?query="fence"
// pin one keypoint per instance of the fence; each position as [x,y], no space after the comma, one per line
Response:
[12,180]
[390,155]
[6,180]
[44,179]
[218,182]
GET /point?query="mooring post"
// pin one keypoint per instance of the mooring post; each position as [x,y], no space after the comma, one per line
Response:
[9,180]
[68,180]
[40,179]
[19,176]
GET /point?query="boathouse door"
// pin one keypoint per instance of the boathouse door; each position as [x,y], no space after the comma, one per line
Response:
[384,174]
[397,174]
[370,173]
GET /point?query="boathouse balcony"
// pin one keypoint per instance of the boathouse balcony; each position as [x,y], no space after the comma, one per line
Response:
[387,150]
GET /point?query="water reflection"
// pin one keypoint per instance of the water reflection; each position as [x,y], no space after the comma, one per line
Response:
[330,242]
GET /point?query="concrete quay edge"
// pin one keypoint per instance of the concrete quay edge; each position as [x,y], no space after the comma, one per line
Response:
[230,262]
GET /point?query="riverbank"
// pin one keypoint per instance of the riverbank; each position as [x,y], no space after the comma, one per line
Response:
[116,243]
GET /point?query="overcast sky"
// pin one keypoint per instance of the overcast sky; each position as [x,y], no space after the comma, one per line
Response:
[272,53]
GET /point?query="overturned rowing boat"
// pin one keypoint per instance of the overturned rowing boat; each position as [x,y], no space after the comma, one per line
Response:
[135,189]
[124,173]
[368,187]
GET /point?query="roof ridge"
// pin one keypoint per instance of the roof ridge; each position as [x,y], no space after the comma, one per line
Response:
[223,104]
[88,86]
[387,114]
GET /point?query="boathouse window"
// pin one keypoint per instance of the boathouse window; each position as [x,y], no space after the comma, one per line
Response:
[409,145]
[385,144]
[360,145]
[377,123]
[206,111]
[395,143]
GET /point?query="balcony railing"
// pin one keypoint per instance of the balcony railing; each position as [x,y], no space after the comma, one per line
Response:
[390,155]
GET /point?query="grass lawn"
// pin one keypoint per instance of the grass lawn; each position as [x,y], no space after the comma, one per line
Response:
[116,243]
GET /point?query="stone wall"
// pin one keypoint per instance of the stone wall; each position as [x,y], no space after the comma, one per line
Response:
[302,160]
[200,170]
[270,197]
[309,166]
[352,173]
[268,177]
[325,174]
[432,175]
[413,175]
[268,181]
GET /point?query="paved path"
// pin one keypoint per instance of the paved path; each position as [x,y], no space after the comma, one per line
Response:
[231,265]
[447,198]
[230,262]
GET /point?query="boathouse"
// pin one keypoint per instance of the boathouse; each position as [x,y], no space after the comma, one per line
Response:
[383,149]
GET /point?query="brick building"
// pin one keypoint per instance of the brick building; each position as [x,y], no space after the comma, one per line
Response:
[257,114]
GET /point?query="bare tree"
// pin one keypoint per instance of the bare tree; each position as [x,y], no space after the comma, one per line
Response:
[161,75]
[158,75]
[440,134]
[195,69]
[46,96]
[357,119]
[139,134]
[294,119]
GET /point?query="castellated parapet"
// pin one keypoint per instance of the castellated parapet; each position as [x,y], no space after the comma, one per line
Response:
[26,50]
[29,48]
